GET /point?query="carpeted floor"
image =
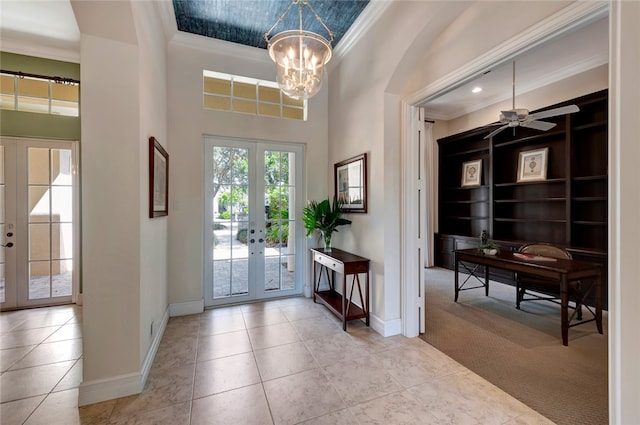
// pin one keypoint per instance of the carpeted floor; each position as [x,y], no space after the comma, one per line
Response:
[521,351]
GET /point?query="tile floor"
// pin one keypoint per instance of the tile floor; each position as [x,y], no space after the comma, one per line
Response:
[276,362]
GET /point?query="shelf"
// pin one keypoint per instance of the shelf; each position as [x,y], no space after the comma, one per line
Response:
[548,181]
[589,198]
[569,208]
[541,136]
[467,152]
[333,300]
[528,220]
[590,178]
[467,202]
[519,201]
[467,218]
[484,186]
[590,126]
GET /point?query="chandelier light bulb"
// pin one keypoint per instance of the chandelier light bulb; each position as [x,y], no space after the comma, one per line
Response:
[300,56]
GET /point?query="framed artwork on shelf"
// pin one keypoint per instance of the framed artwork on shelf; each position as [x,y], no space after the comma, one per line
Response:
[158,179]
[471,173]
[532,165]
[351,183]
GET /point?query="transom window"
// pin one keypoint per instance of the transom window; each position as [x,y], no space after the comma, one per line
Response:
[225,92]
[45,95]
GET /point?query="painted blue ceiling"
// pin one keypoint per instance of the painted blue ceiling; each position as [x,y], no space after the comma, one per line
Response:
[246,21]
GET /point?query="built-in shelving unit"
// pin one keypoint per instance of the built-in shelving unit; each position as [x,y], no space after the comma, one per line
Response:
[568,209]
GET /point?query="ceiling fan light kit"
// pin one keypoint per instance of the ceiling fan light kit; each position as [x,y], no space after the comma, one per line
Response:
[520,117]
[300,55]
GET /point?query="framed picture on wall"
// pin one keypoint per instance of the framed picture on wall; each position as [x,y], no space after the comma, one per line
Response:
[351,183]
[532,165]
[472,173]
[158,179]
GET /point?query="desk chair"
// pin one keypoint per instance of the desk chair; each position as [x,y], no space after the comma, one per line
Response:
[526,283]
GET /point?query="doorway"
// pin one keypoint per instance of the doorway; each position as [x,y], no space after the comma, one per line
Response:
[38,225]
[252,192]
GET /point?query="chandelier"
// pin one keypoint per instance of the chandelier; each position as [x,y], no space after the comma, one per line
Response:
[299,55]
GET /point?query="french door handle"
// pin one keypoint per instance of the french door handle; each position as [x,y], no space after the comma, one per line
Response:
[8,245]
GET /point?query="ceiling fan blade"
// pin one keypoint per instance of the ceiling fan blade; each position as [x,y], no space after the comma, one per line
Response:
[510,115]
[538,125]
[494,132]
[555,112]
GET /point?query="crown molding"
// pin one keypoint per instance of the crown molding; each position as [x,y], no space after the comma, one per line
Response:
[360,26]
[168,18]
[30,48]
[221,47]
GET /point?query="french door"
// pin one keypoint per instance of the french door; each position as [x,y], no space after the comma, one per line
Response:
[253,193]
[38,230]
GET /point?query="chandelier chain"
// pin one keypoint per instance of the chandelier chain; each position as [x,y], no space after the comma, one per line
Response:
[300,3]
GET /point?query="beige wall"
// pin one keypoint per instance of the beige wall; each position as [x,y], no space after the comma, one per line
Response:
[124,252]
[364,114]
[188,122]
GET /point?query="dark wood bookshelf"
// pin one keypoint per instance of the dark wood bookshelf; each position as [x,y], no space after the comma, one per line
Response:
[568,209]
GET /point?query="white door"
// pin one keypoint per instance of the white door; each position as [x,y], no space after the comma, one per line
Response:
[38,203]
[253,193]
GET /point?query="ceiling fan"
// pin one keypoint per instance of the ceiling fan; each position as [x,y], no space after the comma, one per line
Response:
[522,118]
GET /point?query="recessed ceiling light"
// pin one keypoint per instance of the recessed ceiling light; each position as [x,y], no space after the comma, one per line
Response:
[476,90]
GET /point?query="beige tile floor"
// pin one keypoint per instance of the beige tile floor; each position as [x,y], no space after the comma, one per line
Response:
[276,362]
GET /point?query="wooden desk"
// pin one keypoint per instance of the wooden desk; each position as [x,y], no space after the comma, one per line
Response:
[562,270]
[344,263]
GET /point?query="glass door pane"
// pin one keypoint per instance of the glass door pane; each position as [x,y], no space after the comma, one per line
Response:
[38,200]
[279,253]
[250,221]
[2,228]
[50,219]
[230,197]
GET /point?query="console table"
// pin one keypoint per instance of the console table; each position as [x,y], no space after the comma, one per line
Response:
[562,270]
[346,264]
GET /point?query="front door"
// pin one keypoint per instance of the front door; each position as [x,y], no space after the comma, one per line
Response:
[38,203]
[253,191]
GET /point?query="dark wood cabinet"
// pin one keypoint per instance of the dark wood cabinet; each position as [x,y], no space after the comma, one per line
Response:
[568,209]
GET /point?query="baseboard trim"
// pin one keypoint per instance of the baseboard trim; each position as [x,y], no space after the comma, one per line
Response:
[107,389]
[123,385]
[386,328]
[153,349]
[186,308]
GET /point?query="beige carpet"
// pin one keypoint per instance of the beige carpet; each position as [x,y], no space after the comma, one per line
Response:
[521,351]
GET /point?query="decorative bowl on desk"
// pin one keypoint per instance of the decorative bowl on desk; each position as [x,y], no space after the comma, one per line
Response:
[490,251]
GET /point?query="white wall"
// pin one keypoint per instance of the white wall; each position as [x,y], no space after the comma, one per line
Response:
[123,73]
[110,208]
[188,121]
[362,118]
[152,59]
[624,202]
[364,110]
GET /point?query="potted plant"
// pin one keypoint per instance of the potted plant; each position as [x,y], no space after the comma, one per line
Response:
[487,247]
[325,217]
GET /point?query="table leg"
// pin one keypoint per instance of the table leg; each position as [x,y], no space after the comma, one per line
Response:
[455,274]
[366,290]
[599,301]
[315,283]
[564,310]
[344,302]
[486,281]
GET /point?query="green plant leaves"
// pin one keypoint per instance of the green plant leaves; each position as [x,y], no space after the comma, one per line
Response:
[324,216]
